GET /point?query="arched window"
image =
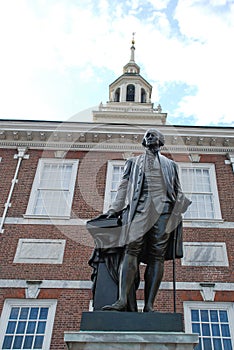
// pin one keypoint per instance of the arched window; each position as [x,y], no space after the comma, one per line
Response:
[143,96]
[130,93]
[117,95]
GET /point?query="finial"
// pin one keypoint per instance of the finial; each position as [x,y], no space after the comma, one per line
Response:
[133,38]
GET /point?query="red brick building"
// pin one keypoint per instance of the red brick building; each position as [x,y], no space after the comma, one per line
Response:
[56,175]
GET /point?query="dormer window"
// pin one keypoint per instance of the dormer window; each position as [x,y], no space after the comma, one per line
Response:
[117,95]
[143,96]
[130,93]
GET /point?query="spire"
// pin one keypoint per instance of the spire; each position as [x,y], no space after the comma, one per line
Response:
[131,67]
[132,59]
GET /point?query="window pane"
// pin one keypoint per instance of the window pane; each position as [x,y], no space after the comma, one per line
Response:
[223,316]
[43,313]
[14,313]
[51,203]
[41,327]
[195,315]
[198,346]
[38,342]
[227,344]
[24,313]
[11,327]
[217,344]
[225,330]
[215,329]
[18,342]
[205,329]
[28,342]
[21,327]
[196,328]
[7,342]
[207,344]
[204,316]
[214,315]
[33,313]
[55,176]
[31,327]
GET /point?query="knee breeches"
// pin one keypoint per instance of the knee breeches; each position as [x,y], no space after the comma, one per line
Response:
[154,242]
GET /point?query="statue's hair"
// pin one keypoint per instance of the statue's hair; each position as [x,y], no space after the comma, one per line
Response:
[155,131]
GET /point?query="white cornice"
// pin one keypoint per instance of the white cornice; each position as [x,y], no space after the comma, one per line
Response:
[87,284]
[113,136]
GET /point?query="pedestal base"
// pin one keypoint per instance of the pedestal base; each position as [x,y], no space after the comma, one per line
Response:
[131,321]
[130,340]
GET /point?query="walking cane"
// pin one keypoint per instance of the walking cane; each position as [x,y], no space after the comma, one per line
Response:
[174,270]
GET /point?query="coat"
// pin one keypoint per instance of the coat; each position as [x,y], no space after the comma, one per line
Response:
[129,192]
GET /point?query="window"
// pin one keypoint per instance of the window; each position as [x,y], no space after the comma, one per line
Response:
[27,324]
[199,184]
[114,174]
[213,322]
[130,93]
[143,96]
[117,95]
[53,187]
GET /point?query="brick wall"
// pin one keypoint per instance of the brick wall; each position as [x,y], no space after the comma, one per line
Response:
[87,203]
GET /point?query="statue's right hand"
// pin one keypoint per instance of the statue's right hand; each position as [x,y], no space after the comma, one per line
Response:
[111,213]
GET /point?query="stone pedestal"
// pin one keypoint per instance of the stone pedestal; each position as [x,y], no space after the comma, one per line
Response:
[89,340]
[106,330]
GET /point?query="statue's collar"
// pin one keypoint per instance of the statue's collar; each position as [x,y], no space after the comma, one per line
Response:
[152,153]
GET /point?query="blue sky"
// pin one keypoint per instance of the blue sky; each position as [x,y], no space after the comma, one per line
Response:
[58,57]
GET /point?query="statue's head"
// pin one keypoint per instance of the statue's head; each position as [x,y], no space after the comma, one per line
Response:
[153,137]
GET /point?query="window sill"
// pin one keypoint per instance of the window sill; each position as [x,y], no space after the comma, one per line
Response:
[203,220]
[46,217]
[215,223]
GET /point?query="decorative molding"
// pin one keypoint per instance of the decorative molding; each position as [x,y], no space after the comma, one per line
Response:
[2,135]
[87,284]
[127,155]
[40,251]
[21,153]
[205,254]
[113,137]
[207,291]
[195,158]
[33,289]
[60,154]
[114,147]
[35,220]
[200,141]
[230,160]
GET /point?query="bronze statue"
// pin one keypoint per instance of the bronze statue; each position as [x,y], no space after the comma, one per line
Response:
[151,202]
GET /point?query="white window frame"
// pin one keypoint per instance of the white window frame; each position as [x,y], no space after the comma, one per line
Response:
[110,166]
[227,306]
[34,190]
[10,303]
[214,188]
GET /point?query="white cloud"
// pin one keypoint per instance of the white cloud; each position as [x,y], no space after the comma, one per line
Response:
[41,37]
[211,62]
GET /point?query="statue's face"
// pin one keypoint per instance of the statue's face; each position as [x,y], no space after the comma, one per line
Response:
[152,139]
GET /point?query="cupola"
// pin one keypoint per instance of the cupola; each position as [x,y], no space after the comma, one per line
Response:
[130,98]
